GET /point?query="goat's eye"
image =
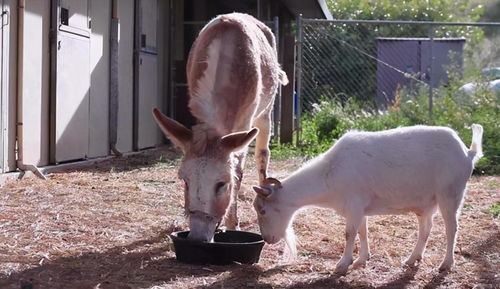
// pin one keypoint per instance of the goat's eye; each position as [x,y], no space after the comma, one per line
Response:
[262,212]
[219,186]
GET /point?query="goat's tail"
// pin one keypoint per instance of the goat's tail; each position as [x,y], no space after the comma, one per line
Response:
[476,148]
[282,77]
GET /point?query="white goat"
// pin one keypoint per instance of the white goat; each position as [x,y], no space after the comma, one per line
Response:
[409,169]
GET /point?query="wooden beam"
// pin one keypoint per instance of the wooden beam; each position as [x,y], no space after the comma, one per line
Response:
[287,92]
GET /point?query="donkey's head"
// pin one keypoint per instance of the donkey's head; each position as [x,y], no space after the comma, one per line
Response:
[207,171]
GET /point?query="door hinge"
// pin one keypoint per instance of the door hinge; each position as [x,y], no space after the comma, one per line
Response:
[5,18]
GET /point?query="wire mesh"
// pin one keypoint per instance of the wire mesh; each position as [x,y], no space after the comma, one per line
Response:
[371,60]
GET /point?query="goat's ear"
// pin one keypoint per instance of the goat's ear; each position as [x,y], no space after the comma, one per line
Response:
[262,191]
[180,135]
[238,140]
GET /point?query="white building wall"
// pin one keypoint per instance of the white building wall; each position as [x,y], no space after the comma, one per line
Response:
[100,13]
[125,77]
[11,77]
[36,82]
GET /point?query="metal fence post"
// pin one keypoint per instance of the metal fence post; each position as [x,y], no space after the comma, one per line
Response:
[431,70]
[298,105]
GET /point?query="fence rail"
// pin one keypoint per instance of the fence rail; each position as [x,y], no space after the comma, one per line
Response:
[372,60]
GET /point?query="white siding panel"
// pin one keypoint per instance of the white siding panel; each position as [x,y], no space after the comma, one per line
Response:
[99,85]
[149,20]
[148,99]
[12,80]
[77,12]
[72,104]
[36,82]
[125,76]
[3,105]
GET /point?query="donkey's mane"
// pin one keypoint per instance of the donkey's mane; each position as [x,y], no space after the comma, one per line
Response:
[205,139]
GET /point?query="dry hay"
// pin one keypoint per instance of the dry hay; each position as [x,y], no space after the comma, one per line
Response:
[107,227]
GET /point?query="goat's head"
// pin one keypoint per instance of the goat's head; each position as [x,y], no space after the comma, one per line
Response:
[208,174]
[273,213]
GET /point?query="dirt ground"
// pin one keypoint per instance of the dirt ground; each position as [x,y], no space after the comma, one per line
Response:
[107,227]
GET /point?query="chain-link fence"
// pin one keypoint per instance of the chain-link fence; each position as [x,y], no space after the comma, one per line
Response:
[372,60]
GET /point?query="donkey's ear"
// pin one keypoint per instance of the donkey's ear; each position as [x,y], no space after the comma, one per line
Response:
[238,140]
[180,135]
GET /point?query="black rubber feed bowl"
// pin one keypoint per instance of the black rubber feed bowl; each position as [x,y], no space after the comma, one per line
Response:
[228,247]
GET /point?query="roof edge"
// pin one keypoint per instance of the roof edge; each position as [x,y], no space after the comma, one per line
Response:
[324,9]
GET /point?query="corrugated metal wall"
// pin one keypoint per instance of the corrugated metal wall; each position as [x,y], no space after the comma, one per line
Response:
[3,107]
[125,75]
[80,115]
[412,56]
[10,72]
[100,11]
[36,82]
[71,113]
[148,96]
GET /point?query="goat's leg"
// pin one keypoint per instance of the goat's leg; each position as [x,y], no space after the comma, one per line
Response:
[352,225]
[449,204]
[364,250]
[262,153]
[451,224]
[424,229]
[231,221]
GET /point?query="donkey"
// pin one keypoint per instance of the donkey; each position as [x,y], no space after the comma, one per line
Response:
[233,74]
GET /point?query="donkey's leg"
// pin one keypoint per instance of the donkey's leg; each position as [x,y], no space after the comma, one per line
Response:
[231,222]
[262,153]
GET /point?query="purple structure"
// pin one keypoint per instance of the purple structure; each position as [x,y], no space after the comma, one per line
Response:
[400,57]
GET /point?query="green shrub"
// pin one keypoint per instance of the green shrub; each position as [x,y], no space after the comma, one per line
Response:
[329,120]
[495,210]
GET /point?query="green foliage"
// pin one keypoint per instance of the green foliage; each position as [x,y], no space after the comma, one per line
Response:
[493,184]
[437,10]
[411,10]
[284,151]
[347,98]
[344,46]
[329,120]
[494,210]
[467,207]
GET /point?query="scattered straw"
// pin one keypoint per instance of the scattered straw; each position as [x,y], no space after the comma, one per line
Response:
[108,226]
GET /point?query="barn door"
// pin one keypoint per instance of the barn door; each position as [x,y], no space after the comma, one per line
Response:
[146,130]
[70,105]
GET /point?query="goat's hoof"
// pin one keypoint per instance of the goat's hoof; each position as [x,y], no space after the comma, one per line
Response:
[340,270]
[359,263]
[445,266]
[413,262]
[342,267]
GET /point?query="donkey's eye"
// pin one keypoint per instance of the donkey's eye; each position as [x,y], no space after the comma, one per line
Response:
[219,186]
[262,212]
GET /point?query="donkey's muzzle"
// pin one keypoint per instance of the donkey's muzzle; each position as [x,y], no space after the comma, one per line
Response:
[202,226]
